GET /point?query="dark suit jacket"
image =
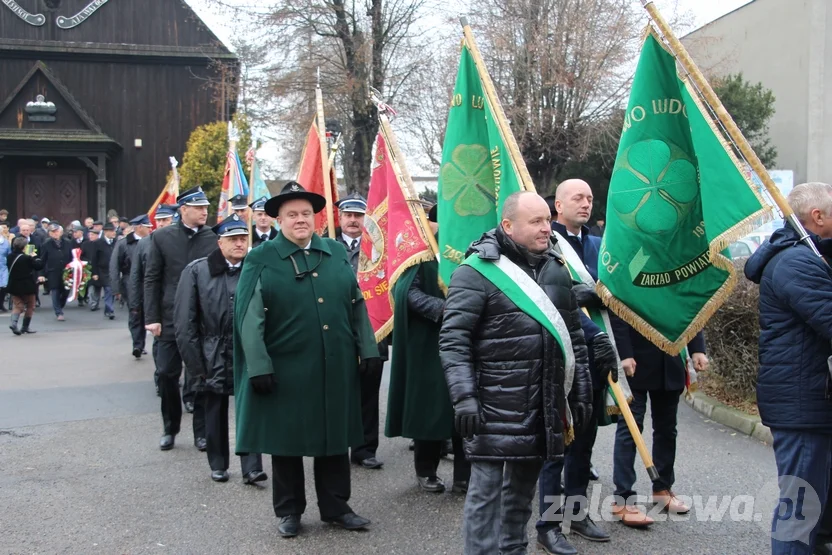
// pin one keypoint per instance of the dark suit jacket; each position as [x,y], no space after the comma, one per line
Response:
[255,237]
[655,369]
[55,257]
[101,254]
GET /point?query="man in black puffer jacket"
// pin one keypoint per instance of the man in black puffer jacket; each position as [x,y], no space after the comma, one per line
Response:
[794,387]
[203,321]
[519,392]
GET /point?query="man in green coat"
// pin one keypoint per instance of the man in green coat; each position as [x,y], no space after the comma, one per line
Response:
[418,403]
[301,337]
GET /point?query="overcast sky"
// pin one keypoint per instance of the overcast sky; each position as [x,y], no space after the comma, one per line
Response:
[225,25]
[703,11]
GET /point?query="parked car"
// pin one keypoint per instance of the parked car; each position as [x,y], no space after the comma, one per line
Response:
[742,248]
[758,237]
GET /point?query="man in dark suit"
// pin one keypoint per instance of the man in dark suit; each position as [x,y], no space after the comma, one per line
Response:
[661,377]
[120,264]
[56,253]
[169,251]
[264,229]
[102,252]
[570,476]
[351,212]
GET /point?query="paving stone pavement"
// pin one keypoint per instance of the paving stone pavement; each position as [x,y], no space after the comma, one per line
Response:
[82,473]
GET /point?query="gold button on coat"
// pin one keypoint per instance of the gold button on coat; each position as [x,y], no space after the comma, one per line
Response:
[326,327]
[321,300]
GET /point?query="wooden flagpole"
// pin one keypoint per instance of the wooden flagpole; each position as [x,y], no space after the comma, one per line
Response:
[251,189]
[497,109]
[330,215]
[736,136]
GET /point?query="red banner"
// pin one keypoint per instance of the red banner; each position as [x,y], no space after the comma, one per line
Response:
[391,243]
[311,176]
[167,196]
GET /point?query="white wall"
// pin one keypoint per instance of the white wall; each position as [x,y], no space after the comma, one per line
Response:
[768,40]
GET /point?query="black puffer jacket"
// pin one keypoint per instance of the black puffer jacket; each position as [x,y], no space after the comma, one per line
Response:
[203,320]
[493,351]
[171,249]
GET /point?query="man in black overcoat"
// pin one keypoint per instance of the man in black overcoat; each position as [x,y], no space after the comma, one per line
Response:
[171,249]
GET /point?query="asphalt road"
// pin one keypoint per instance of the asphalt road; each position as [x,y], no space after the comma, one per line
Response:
[82,473]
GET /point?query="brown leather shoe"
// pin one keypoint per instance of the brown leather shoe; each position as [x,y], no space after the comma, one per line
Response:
[668,501]
[631,516]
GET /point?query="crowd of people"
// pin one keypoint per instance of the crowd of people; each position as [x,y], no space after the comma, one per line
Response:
[37,252]
[505,364]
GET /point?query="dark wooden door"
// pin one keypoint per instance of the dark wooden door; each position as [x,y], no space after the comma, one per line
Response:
[57,195]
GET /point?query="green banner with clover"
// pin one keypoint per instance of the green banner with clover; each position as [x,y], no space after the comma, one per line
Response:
[477,173]
[678,197]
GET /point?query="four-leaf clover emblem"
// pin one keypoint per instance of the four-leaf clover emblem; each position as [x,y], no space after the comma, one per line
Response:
[657,185]
[468,178]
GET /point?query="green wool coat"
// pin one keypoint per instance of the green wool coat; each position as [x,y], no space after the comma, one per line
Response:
[309,333]
[418,403]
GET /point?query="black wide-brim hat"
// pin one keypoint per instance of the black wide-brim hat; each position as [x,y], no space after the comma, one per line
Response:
[292,191]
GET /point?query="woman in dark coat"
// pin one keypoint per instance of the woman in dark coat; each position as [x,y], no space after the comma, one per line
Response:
[22,285]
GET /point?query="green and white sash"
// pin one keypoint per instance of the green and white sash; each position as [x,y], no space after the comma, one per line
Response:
[524,292]
[601,318]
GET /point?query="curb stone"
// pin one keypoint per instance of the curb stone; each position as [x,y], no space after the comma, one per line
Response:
[732,418]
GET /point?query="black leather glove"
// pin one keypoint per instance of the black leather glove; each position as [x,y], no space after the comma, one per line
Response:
[371,365]
[581,416]
[467,417]
[603,356]
[262,385]
[586,296]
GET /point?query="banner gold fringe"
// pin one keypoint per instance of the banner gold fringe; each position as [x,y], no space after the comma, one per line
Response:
[614,410]
[568,435]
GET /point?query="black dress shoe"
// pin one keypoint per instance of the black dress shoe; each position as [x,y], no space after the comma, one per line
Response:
[137,353]
[111,316]
[201,443]
[288,526]
[371,463]
[189,407]
[588,530]
[593,474]
[255,476]
[555,543]
[219,475]
[460,486]
[349,521]
[166,443]
[432,484]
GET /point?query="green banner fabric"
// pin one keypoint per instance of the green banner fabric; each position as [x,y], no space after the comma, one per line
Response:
[678,197]
[477,172]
